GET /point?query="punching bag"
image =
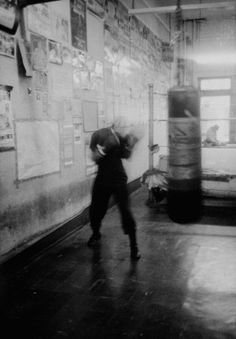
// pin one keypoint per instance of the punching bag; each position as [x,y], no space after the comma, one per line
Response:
[184,164]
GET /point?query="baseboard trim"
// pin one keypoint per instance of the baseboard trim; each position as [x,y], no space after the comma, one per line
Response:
[22,259]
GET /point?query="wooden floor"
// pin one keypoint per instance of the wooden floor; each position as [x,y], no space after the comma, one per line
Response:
[184,285]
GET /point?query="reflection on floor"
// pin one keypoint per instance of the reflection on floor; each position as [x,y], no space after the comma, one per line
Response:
[184,286]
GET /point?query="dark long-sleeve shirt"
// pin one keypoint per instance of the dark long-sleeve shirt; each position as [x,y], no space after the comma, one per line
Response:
[110,167]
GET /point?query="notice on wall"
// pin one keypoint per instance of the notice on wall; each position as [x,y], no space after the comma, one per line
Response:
[66,55]
[6,119]
[55,52]
[77,123]
[108,78]
[79,58]
[60,28]
[41,97]
[38,52]
[40,81]
[68,145]
[61,81]
[167,52]
[41,105]
[76,110]
[7,45]
[76,83]
[90,116]
[78,24]
[39,19]
[38,148]
[84,76]
[68,110]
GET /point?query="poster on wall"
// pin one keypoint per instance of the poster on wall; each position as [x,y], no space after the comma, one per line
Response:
[167,52]
[66,55]
[84,79]
[68,145]
[39,19]
[6,120]
[40,105]
[76,83]
[61,81]
[7,45]
[60,28]
[8,16]
[90,116]
[41,98]
[38,52]
[67,110]
[78,24]
[55,52]
[108,78]
[40,81]
[38,148]
[77,123]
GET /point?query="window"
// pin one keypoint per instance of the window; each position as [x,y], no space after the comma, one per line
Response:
[215,84]
[215,108]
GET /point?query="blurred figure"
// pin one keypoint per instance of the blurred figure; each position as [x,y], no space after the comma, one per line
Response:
[211,136]
[109,146]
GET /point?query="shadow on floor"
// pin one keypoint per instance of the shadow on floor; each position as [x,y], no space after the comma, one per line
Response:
[182,287]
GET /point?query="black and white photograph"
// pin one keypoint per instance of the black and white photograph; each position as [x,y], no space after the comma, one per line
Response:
[118,169]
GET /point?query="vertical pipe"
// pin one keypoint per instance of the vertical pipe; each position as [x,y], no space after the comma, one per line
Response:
[178,14]
[150,95]
[184,53]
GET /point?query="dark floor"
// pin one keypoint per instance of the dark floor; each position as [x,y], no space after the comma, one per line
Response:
[184,286]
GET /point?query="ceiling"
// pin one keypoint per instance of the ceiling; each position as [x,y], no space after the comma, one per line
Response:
[193,9]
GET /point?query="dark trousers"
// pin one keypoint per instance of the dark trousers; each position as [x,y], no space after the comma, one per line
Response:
[99,205]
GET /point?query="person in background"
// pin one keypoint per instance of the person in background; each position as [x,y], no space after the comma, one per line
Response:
[211,136]
[109,146]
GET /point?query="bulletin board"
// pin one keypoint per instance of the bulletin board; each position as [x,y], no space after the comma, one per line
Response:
[90,116]
[38,151]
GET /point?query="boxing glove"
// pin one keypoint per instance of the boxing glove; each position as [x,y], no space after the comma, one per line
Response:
[109,144]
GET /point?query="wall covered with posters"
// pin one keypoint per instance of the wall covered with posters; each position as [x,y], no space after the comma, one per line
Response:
[70,68]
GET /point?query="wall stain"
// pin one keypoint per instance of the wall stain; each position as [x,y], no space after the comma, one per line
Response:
[15,218]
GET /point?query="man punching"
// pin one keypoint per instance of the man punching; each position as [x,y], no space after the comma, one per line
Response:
[109,146]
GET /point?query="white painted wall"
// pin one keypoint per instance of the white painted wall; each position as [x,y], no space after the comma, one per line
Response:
[32,208]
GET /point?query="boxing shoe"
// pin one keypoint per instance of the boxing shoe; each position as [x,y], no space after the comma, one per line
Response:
[135,254]
[94,239]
